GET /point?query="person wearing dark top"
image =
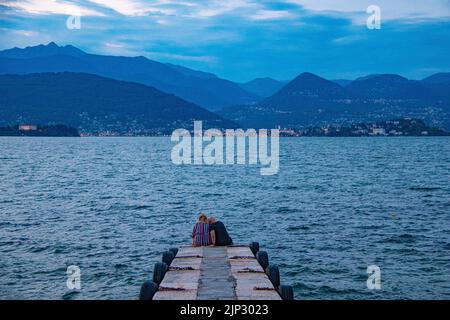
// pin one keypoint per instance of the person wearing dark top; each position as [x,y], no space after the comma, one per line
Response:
[219,234]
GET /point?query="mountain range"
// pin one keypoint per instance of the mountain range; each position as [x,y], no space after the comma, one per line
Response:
[95,104]
[135,94]
[204,89]
[310,100]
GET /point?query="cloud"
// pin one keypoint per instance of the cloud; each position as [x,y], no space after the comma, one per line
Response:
[347,39]
[219,7]
[114,45]
[241,39]
[19,32]
[418,10]
[390,10]
[271,15]
[129,49]
[179,57]
[46,7]
[117,48]
[134,7]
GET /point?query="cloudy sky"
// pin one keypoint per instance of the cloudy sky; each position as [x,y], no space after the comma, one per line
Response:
[244,39]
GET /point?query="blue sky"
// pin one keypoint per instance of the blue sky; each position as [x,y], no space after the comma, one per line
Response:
[244,39]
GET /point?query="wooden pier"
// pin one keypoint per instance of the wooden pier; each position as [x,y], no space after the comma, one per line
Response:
[215,273]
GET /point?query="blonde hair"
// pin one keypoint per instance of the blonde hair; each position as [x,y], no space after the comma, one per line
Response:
[202,216]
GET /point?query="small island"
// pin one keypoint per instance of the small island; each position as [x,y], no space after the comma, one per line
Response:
[32,130]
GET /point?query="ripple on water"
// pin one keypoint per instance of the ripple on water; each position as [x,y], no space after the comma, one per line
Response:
[111,206]
[401,239]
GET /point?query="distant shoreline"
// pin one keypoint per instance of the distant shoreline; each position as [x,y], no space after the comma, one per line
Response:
[403,127]
[290,137]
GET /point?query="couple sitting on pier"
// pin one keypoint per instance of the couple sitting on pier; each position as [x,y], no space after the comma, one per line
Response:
[209,231]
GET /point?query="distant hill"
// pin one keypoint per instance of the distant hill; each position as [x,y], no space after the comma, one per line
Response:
[204,89]
[395,87]
[263,87]
[387,86]
[310,100]
[441,78]
[52,49]
[96,104]
[306,90]
[439,86]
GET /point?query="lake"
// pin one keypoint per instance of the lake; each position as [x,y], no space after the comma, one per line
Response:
[338,205]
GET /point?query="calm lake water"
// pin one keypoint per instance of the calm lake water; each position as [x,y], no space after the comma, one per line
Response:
[338,205]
